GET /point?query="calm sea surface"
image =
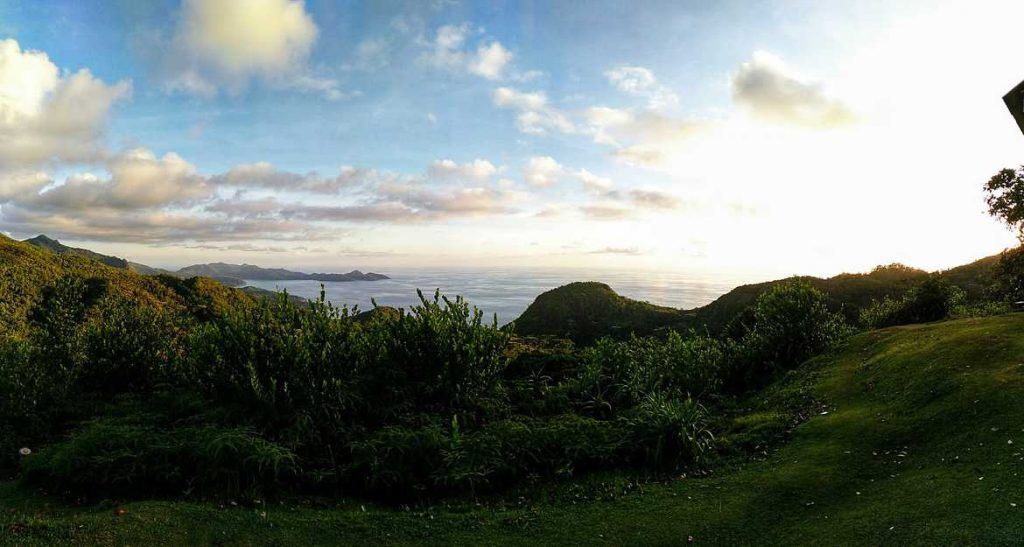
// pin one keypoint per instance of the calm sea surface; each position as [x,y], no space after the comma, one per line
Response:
[506,292]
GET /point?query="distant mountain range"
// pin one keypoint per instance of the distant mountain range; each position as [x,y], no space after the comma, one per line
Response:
[248,271]
[232,275]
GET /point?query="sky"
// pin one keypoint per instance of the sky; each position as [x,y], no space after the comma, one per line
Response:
[723,139]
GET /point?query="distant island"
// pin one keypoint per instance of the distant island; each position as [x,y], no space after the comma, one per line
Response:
[248,271]
[232,275]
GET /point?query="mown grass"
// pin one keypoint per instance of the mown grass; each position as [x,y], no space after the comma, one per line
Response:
[920,441]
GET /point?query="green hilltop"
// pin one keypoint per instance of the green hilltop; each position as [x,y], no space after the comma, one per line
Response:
[586,311]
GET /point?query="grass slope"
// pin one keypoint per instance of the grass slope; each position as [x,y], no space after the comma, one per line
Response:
[922,444]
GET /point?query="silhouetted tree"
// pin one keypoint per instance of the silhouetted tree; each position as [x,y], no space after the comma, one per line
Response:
[1005,198]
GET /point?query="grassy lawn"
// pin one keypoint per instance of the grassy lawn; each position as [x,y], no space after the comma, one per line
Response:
[922,443]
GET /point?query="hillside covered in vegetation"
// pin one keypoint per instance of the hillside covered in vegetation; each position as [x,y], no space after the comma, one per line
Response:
[914,439]
[120,387]
[232,275]
[584,312]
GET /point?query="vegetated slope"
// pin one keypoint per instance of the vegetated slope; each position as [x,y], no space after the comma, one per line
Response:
[232,275]
[921,443]
[586,311]
[27,268]
[848,292]
[975,278]
[52,244]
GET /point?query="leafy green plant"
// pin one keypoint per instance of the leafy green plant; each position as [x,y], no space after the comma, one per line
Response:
[932,300]
[669,434]
[131,458]
[789,323]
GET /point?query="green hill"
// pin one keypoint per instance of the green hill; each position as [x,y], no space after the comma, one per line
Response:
[27,267]
[44,242]
[586,311]
[848,292]
[231,275]
[917,440]
[975,278]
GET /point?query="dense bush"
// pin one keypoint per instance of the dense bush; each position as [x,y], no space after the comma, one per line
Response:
[1009,275]
[788,324]
[932,300]
[668,433]
[622,374]
[126,399]
[126,349]
[112,456]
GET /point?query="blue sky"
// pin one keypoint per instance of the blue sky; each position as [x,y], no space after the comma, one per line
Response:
[696,136]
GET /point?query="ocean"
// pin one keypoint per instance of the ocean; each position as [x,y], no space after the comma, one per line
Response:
[506,292]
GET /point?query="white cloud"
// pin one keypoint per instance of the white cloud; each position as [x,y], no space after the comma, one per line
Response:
[448,50]
[542,171]
[265,175]
[328,87]
[490,61]
[640,82]
[14,185]
[592,182]
[226,43]
[535,116]
[607,211]
[645,138]
[478,170]
[447,47]
[47,116]
[654,199]
[138,180]
[771,91]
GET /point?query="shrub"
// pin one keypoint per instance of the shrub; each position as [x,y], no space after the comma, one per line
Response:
[790,322]
[117,456]
[932,300]
[440,355]
[619,375]
[1009,275]
[56,319]
[980,309]
[33,401]
[535,375]
[127,348]
[284,366]
[399,460]
[669,434]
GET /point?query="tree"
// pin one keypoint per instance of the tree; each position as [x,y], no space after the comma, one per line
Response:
[1005,201]
[1006,198]
[788,324]
[1009,274]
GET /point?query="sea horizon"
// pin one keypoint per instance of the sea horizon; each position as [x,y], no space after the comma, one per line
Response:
[507,292]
